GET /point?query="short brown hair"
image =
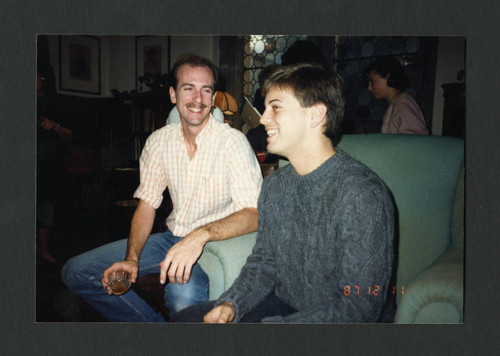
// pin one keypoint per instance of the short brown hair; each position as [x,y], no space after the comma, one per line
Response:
[193,60]
[312,84]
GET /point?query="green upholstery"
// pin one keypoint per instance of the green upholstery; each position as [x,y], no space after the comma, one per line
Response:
[425,176]
[223,260]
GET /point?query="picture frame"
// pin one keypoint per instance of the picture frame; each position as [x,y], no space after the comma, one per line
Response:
[152,55]
[80,64]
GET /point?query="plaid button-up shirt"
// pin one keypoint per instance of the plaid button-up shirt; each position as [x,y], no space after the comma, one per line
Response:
[221,178]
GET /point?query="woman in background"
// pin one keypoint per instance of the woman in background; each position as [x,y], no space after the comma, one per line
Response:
[387,80]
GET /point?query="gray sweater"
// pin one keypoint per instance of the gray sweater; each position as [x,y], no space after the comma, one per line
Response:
[324,245]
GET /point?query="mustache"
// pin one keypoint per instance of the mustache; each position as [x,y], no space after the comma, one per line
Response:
[199,106]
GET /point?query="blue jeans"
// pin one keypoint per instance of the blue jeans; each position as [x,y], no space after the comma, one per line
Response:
[82,274]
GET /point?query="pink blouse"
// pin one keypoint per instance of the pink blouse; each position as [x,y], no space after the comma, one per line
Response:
[403,116]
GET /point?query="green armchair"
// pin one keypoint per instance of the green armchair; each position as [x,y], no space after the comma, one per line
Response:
[426,177]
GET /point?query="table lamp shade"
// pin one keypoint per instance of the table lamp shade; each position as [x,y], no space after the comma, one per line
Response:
[226,103]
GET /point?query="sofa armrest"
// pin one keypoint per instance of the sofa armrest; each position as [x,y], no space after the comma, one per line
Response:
[222,261]
[436,295]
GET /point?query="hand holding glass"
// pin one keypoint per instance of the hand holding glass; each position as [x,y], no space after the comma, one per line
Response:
[118,283]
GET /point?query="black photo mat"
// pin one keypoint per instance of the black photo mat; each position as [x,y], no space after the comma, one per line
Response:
[475,20]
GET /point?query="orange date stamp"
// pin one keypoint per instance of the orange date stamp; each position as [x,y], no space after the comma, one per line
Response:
[371,290]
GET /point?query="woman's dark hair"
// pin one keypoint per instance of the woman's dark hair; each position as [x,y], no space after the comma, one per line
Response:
[193,60]
[311,84]
[389,66]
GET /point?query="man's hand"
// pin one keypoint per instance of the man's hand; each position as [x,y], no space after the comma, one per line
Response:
[223,313]
[182,256]
[47,124]
[129,266]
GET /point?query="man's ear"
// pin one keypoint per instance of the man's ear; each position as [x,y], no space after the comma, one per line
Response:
[171,92]
[318,114]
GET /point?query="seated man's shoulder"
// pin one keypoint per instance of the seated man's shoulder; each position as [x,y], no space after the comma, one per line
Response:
[230,136]
[160,136]
[228,131]
[165,130]
[358,178]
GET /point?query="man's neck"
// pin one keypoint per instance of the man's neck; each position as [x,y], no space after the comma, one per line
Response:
[190,133]
[306,160]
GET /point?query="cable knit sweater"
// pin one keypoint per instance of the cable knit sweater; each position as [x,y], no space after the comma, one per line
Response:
[324,245]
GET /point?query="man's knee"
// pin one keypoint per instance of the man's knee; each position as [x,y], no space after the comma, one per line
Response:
[178,297]
[74,271]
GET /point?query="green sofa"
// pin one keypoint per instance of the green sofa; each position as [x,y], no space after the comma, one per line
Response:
[426,177]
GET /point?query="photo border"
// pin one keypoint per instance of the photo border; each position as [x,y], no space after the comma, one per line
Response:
[479,21]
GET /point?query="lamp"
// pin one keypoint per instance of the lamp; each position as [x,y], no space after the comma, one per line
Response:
[226,103]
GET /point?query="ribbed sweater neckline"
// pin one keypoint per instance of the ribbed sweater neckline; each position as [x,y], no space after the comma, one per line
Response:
[321,172]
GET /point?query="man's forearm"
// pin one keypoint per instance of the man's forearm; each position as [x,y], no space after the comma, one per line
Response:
[239,223]
[65,133]
[140,229]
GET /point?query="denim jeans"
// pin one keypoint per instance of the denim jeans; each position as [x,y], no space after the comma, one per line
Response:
[82,274]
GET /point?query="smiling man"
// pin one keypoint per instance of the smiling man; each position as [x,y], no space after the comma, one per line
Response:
[326,221]
[214,180]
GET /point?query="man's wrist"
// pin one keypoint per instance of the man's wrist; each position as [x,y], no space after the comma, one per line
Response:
[132,259]
[57,127]
[202,234]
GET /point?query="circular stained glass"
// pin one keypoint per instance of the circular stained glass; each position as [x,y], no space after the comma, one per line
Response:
[397,45]
[248,61]
[350,100]
[281,44]
[248,89]
[352,67]
[363,64]
[381,48]
[248,47]
[351,82]
[256,74]
[412,44]
[278,58]
[367,49]
[364,98]
[269,58]
[353,51]
[270,45]
[259,60]
[259,47]
[248,75]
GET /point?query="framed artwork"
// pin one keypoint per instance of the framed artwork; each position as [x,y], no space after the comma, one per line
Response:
[152,58]
[80,64]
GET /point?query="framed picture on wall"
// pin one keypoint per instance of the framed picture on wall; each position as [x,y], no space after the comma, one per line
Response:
[80,64]
[152,58]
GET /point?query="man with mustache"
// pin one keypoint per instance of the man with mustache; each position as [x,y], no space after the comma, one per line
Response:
[214,181]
